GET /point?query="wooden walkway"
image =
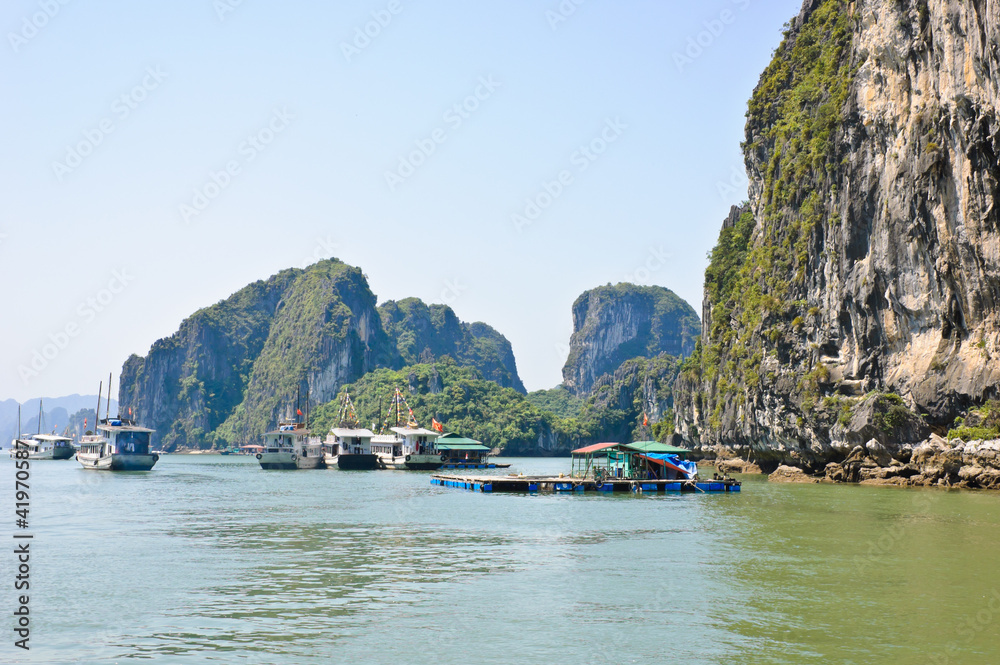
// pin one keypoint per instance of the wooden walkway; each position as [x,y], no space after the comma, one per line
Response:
[497,483]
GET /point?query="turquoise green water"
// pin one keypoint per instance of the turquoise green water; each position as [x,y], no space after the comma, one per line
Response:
[210,559]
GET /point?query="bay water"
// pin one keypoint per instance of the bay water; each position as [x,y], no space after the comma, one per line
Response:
[208,558]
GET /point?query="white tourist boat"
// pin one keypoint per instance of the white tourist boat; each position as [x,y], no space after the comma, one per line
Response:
[348,445]
[405,447]
[44,446]
[350,450]
[117,445]
[408,448]
[41,446]
[291,446]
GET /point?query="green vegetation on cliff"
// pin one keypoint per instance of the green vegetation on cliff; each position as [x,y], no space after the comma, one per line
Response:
[461,399]
[234,369]
[424,333]
[982,423]
[558,401]
[614,323]
[324,333]
[755,281]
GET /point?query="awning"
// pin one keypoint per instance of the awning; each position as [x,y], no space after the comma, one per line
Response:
[586,450]
[667,460]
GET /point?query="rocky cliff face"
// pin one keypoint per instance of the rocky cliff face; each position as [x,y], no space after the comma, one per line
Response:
[191,382]
[424,333]
[234,369]
[325,332]
[612,324]
[868,256]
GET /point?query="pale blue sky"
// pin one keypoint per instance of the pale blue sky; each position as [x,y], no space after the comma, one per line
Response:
[159,95]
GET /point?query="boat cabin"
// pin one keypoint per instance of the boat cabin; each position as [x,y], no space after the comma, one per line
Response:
[343,441]
[45,442]
[413,441]
[286,438]
[117,437]
[457,449]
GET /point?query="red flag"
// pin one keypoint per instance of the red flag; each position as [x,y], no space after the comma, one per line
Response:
[298,411]
[84,423]
[435,425]
[645,419]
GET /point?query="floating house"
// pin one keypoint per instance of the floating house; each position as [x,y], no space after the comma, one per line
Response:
[642,460]
[641,467]
[458,452]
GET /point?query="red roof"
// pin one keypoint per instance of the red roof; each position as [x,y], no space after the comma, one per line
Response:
[593,448]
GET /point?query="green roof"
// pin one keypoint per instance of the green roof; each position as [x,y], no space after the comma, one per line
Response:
[462,446]
[451,437]
[455,438]
[656,447]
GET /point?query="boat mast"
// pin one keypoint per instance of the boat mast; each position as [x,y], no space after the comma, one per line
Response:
[18,437]
[39,415]
[97,411]
[107,411]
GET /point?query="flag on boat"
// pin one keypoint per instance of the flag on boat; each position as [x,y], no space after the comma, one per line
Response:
[298,411]
[435,425]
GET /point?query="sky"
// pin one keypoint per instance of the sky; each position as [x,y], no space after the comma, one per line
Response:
[500,157]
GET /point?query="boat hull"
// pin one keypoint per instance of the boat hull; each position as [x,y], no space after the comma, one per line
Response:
[117,462]
[60,452]
[361,462]
[412,462]
[288,461]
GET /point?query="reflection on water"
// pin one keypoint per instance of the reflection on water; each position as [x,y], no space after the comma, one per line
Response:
[212,559]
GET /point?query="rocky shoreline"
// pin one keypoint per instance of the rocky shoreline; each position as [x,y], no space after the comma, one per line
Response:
[934,462]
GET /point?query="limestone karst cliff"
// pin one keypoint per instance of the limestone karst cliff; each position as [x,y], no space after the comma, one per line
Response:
[424,333]
[868,256]
[612,324]
[234,369]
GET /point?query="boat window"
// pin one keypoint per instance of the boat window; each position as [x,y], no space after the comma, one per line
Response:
[133,442]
